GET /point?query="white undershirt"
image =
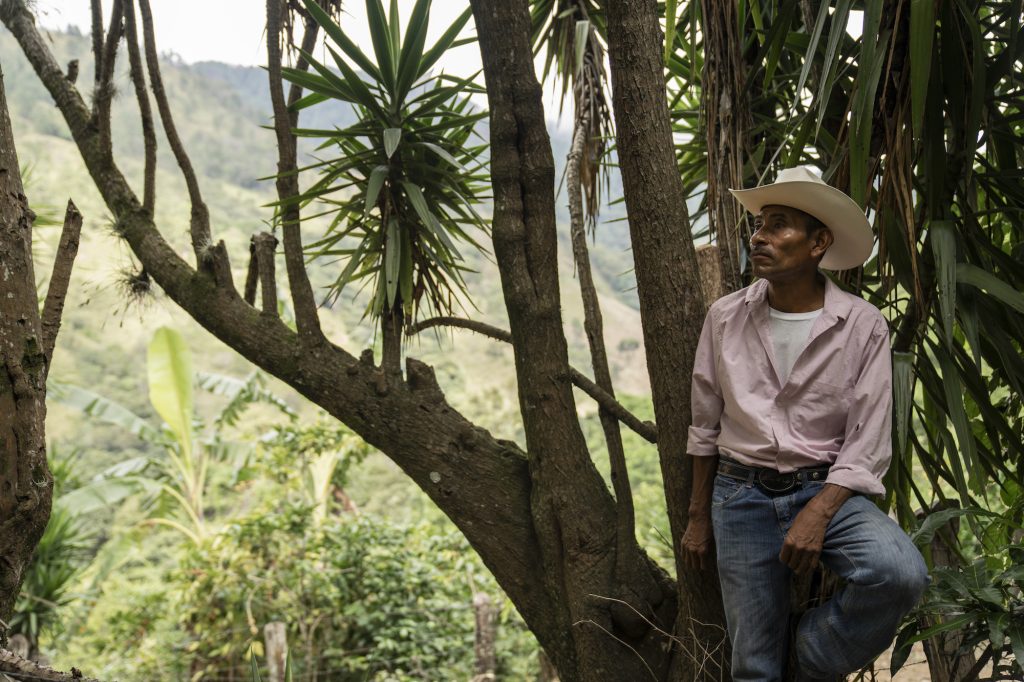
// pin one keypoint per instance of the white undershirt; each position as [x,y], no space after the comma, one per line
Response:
[789,336]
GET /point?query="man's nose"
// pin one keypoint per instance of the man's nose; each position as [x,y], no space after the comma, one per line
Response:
[757,238]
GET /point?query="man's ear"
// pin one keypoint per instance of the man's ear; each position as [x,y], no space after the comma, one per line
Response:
[822,240]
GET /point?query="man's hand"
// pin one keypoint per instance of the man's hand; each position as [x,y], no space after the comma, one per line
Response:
[803,543]
[806,536]
[697,543]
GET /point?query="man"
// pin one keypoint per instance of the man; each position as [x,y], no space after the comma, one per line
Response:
[792,410]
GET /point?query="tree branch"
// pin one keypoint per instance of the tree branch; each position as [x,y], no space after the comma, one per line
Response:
[252,274]
[104,92]
[645,430]
[199,225]
[97,37]
[306,318]
[265,245]
[472,325]
[58,289]
[593,325]
[145,112]
[19,668]
[309,35]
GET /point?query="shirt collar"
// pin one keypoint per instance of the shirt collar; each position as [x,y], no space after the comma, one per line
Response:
[836,304]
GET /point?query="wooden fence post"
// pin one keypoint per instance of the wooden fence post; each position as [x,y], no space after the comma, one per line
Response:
[486,636]
[275,639]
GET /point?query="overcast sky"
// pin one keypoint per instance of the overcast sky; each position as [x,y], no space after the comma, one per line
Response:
[195,30]
[231,31]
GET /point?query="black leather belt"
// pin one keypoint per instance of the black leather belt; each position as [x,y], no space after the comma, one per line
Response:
[770,480]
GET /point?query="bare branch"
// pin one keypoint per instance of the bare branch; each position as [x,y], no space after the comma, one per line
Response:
[200,222]
[391,323]
[104,92]
[97,37]
[252,274]
[309,36]
[265,245]
[472,325]
[306,318]
[145,112]
[593,324]
[59,280]
[645,430]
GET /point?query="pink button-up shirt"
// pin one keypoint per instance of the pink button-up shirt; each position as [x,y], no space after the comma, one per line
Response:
[835,408]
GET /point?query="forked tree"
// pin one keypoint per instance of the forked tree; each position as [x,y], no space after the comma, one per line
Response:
[543,519]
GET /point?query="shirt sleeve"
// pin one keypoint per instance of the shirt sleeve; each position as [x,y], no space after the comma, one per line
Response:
[867,448]
[705,395]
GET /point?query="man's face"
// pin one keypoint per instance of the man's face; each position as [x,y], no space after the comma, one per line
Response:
[781,247]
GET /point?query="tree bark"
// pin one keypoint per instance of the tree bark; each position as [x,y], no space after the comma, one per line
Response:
[26,485]
[727,122]
[671,301]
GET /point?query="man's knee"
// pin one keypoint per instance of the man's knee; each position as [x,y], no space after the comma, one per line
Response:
[901,574]
[911,578]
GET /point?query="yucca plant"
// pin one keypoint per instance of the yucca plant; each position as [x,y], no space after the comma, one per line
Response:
[402,185]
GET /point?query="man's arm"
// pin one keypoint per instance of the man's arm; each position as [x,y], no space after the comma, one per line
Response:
[698,537]
[862,461]
[706,411]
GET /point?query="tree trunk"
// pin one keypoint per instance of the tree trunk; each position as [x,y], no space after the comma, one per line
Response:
[573,515]
[945,660]
[727,121]
[671,301]
[26,486]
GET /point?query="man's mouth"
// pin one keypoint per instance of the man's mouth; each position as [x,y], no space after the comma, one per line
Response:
[759,254]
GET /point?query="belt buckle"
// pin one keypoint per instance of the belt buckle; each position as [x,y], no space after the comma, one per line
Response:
[766,477]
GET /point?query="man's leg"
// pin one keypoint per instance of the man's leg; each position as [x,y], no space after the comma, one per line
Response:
[885,577]
[755,584]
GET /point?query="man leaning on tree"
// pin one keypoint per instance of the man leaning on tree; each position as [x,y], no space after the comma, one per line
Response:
[790,438]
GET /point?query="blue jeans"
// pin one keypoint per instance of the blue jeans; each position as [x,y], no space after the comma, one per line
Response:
[884,573]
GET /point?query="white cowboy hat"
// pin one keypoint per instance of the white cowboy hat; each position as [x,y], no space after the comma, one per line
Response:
[803,189]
